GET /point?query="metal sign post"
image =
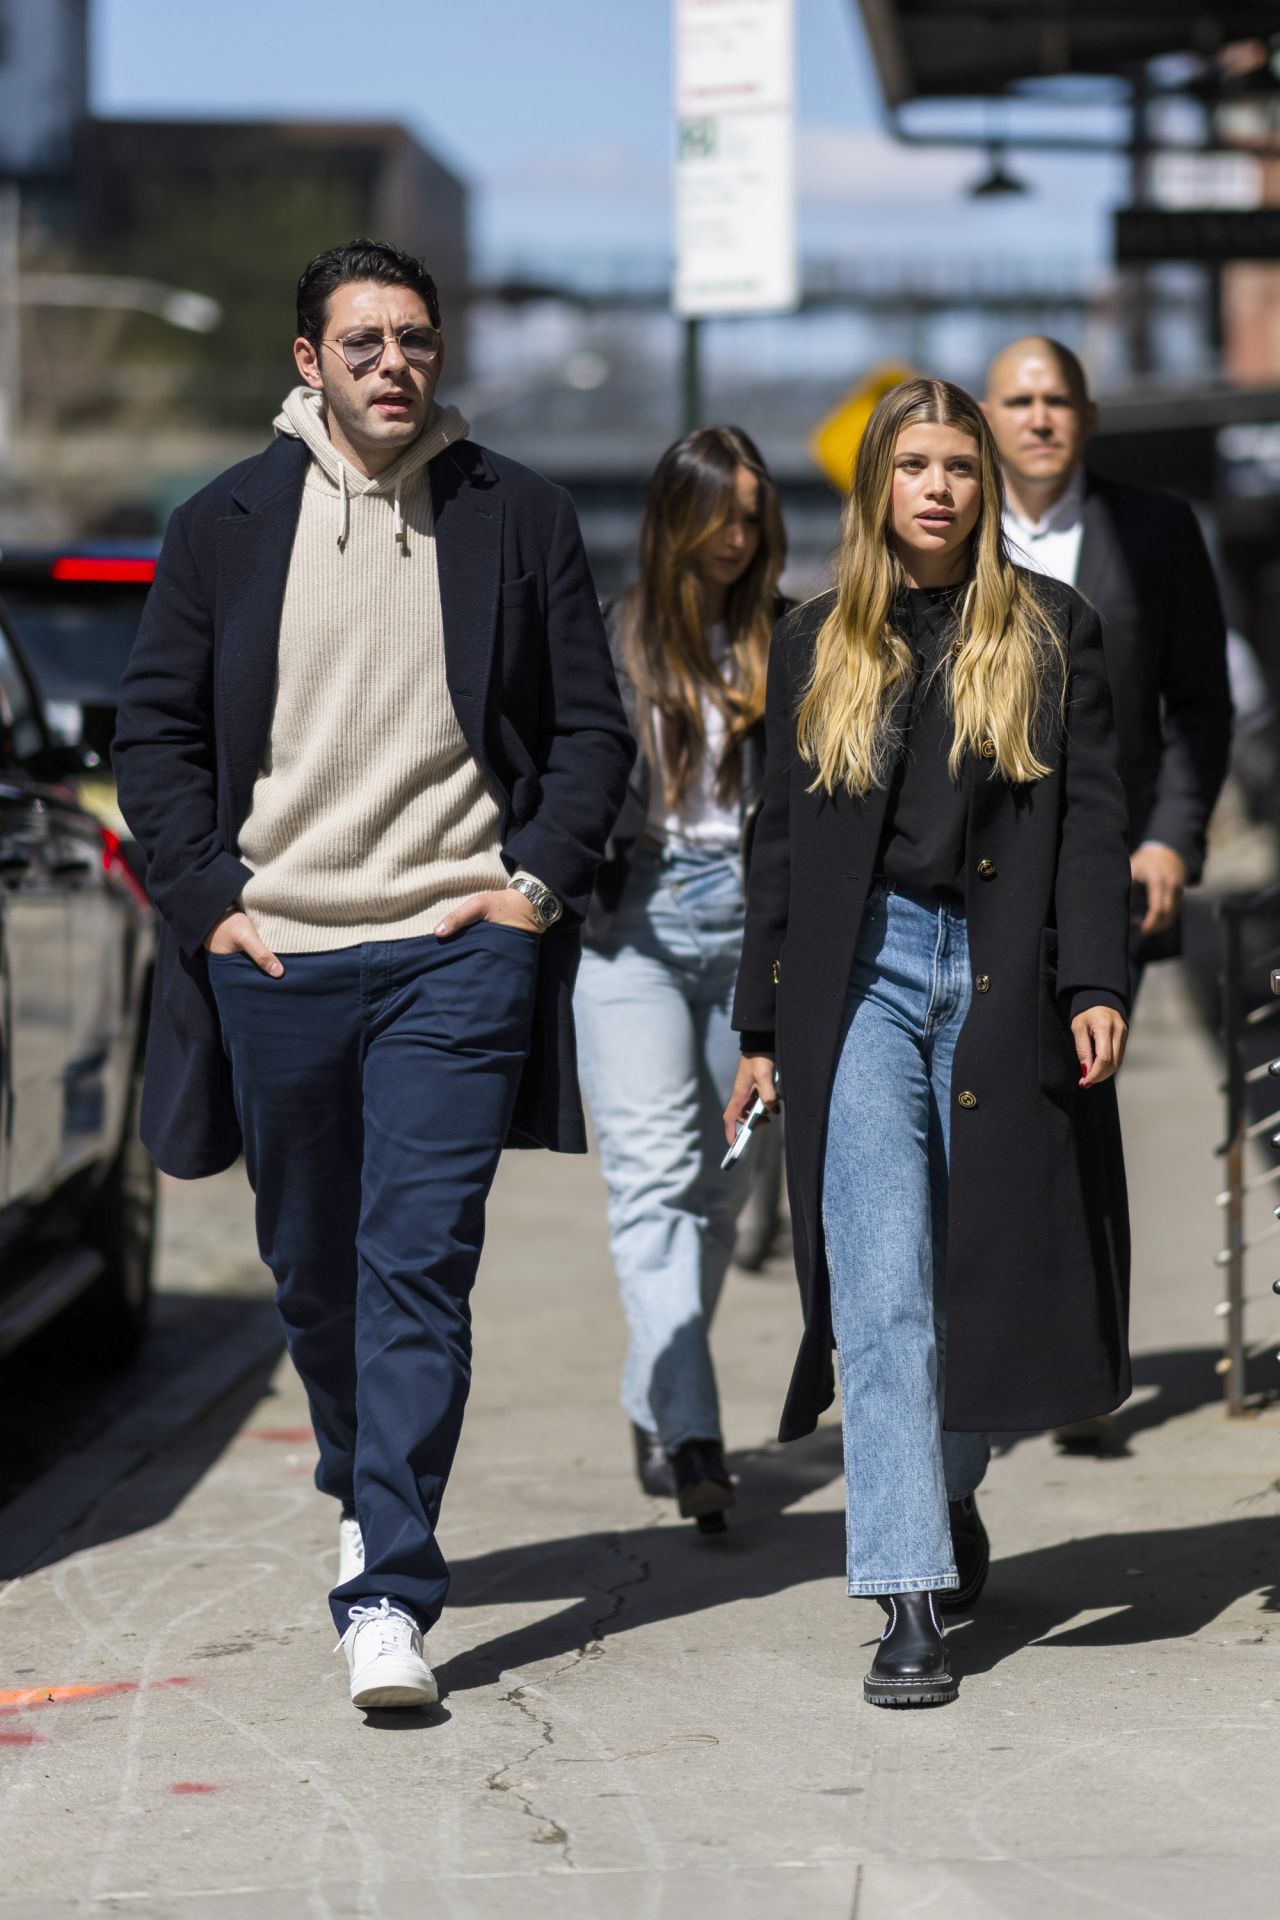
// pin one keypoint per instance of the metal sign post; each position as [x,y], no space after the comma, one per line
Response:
[10,322]
[735,166]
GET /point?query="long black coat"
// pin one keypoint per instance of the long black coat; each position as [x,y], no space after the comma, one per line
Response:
[531,682]
[1038,1265]
[1144,567]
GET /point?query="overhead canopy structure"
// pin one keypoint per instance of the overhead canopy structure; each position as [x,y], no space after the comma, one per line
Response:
[962,49]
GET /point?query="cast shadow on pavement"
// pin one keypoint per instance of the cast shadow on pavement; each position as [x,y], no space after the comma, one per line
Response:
[618,1580]
[1182,1379]
[125,1423]
[1165,1584]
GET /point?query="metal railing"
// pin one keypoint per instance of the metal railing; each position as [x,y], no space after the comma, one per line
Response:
[1237,917]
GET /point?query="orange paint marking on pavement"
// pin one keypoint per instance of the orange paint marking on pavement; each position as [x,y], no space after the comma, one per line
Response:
[287,1436]
[192,1786]
[22,1699]
[21,1740]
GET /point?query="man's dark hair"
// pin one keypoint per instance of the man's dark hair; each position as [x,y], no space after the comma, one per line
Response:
[358,260]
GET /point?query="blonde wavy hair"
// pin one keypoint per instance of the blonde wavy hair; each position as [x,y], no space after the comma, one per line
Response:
[1005,650]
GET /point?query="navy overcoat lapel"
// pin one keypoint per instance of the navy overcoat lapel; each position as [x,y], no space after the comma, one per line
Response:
[468,534]
[254,549]
[1099,549]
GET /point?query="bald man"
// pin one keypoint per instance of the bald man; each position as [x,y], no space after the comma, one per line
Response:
[1139,556]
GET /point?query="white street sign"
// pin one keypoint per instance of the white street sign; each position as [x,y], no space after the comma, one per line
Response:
[735,157]
[734,55]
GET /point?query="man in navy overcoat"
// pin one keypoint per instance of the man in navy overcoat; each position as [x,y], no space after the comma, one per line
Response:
[371,742]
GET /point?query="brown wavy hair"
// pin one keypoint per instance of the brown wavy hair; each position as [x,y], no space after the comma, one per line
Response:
[1007,655]
[690,496]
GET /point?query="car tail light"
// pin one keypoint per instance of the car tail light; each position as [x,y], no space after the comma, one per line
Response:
[113,861]
[86,568]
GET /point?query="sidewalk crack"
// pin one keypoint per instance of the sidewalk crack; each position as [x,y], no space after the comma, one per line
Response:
[617,1596]
[550,1831]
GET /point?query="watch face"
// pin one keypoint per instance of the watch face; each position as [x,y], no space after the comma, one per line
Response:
[548,912]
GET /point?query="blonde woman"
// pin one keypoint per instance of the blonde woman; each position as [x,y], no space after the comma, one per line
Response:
[690,644]
[935,958]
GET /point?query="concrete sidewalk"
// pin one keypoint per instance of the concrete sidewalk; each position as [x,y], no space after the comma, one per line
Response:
[638,1724]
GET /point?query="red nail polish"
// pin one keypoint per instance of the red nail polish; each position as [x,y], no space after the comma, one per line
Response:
[1084,1071]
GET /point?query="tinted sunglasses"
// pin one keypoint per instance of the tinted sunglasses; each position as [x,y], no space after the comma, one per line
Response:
[363,350]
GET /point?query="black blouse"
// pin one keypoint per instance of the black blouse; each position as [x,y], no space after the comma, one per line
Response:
[922,844]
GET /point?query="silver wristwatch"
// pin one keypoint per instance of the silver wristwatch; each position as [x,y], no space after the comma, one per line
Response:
[542,900]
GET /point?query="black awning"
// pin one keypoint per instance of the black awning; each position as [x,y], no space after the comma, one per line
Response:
[958,49]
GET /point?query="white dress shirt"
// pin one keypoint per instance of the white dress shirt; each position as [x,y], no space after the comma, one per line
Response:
[1051,544]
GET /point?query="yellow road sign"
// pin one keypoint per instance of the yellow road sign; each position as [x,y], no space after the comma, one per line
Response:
[834,441]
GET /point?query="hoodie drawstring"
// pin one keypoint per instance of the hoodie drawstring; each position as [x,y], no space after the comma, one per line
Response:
[302,417]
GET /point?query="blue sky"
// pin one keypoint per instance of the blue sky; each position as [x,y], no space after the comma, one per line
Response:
[558,114]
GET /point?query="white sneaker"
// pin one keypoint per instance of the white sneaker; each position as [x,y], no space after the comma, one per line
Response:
[350,1549]
[384,1655]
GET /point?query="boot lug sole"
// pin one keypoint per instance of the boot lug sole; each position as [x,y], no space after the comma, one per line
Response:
[910,1693]
[705,1496]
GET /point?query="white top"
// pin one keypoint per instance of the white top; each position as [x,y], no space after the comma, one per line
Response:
[1050,545]
[701,821]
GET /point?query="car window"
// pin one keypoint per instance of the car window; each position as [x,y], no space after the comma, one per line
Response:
[21,735]
[76,642]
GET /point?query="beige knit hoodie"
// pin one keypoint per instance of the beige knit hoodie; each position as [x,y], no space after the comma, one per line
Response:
[370,818]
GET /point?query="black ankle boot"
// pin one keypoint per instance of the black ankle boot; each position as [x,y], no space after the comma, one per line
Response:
[653,1464]
[972,1550]
[703,1485]
[911,1668]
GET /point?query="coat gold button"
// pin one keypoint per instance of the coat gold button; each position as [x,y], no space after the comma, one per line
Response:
[968,1100]
[777,973]
[986,869]
[983,983]
[988,749]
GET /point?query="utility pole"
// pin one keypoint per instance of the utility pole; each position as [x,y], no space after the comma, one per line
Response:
[10,322]
[691,374]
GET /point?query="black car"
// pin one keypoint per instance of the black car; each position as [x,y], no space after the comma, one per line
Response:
[75,611]
[77,939]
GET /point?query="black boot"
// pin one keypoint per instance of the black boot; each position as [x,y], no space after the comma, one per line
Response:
[911,1668]
[703,1485]
[653,1464]
[972,1550]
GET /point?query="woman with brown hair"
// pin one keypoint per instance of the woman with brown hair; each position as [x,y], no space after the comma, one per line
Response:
[662,942]
[935,957]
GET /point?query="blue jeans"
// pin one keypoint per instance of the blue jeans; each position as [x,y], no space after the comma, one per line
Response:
[374,1087]
[657,1057]
[884,1211]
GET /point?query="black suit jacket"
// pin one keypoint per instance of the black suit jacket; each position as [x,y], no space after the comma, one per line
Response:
[1144,566]
[531,681]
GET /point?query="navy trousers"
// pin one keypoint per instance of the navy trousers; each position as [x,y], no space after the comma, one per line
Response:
[374,1087]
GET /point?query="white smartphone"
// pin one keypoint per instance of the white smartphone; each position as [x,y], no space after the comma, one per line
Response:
[756,1112]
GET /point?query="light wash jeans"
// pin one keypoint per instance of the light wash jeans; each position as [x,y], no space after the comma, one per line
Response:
[657,1057]
[884,1212]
